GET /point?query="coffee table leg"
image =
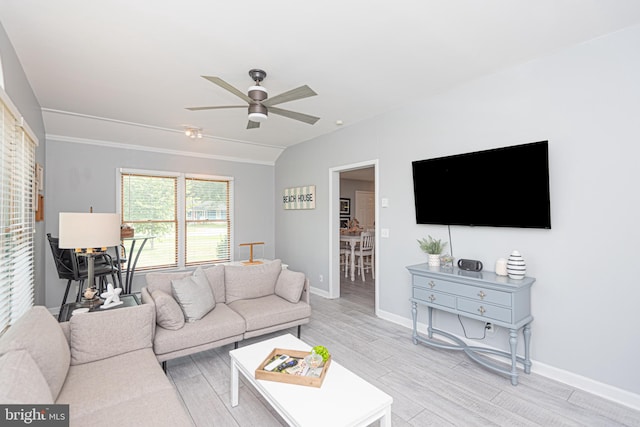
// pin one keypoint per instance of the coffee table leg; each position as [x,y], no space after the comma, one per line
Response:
[234,383]
[385,421]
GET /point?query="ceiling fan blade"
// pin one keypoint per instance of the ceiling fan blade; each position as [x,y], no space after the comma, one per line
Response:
[291,95]
[294,115]
[252,125]
[224,85]
[215,108]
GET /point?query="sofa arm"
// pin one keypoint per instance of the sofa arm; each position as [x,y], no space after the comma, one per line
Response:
[97,336]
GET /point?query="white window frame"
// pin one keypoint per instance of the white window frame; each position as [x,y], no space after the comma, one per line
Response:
[181,205]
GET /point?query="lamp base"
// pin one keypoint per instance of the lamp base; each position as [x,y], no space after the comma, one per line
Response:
[93,302]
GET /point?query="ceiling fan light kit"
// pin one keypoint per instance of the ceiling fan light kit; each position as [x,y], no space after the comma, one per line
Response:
[259,102]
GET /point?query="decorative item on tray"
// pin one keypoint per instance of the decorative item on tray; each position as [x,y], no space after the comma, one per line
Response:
[295,366]
[126,230]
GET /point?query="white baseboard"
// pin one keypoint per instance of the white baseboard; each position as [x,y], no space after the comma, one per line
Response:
[319,292]
[603,390]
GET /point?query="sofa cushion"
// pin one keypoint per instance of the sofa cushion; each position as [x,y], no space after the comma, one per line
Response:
[21,381]
[39,333]
[215,276]
[162,281]
[169,315]
[194,295]
[251,281]
[116,382]
[218,324]
[259,313]
[289,285]
[102,335]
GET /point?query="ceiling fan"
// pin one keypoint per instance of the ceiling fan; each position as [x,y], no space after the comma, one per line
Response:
[259,102]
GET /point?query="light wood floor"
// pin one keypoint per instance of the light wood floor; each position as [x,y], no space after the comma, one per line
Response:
[429,387]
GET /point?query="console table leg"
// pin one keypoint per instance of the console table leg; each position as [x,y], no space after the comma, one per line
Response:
[430,327]
[527,340]
[414,316]
[513,343]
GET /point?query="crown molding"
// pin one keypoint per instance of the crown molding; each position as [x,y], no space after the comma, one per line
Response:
[110,144]
[160,128]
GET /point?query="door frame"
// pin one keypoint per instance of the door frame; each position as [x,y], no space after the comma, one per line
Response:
[334,226]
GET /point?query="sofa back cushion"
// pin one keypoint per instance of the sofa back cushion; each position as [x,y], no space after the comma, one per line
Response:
[98,336]
[39,334]
[21,381]
[162,281]
[215,276]
[251,281]
[194,295]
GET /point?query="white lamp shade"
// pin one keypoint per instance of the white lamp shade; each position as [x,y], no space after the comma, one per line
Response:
[88,230]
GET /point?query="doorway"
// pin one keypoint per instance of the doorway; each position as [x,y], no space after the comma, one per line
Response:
[344,182]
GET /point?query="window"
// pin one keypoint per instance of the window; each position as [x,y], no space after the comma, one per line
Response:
[188,216]
[17,216]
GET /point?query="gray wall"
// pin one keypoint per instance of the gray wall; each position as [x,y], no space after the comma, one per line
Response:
[80,176]
[19,90]
[585,101]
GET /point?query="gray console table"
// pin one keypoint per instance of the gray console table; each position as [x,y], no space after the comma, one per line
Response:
[483,296]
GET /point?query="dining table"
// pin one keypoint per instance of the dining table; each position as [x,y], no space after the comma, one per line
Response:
[353,239]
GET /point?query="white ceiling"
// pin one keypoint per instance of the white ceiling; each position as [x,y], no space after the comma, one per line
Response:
[123,71]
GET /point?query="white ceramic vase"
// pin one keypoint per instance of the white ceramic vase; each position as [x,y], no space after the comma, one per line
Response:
[434,260]
[516,267]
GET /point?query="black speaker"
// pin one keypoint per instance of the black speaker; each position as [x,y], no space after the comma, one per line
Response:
[469,264]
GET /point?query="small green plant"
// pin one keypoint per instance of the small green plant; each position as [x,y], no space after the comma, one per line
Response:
[322,351]
[432,246]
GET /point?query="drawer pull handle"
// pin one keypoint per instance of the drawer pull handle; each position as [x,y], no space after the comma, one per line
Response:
[482,310]
[432,298]
[482,295]
[431,284]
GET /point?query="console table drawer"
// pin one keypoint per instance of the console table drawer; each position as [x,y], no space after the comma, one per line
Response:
[435,298]
[474,292]
[482,309]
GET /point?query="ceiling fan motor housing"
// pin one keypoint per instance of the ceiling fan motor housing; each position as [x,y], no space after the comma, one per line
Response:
[258,93]
[257,112]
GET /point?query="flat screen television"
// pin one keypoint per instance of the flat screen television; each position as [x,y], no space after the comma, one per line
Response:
[501,187]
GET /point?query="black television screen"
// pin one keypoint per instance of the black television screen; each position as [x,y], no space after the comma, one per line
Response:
[502,187]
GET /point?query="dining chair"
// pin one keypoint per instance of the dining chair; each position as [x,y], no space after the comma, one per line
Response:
[71,268]
[365,254]
[345,258]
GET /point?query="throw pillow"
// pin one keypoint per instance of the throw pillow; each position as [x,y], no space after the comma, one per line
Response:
[168,313]
[21,381]
[40,334]
[215,276]
[289,285]
[194,295]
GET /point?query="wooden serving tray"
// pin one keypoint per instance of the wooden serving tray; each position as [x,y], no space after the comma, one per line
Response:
[284,377]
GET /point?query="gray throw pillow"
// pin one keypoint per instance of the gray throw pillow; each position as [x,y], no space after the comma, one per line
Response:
[289,285]
[194,295]
[251,281]
[169,315]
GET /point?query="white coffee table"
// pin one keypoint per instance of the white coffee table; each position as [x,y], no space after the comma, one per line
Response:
[344,399]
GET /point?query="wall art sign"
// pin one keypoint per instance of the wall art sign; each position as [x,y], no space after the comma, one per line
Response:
[299,197]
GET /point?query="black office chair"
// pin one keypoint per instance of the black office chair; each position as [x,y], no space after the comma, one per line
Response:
[71,268]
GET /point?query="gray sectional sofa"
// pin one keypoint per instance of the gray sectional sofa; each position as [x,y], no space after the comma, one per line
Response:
[101,364]
[224,304]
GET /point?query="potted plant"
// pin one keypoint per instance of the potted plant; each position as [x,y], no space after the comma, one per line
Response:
[433,248]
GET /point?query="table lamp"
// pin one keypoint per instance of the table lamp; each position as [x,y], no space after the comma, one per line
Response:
[89,234]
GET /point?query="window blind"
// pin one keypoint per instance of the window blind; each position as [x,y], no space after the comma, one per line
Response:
[17,227]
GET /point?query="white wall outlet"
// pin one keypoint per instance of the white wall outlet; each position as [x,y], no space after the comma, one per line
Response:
[321,278]
[490,328]
[384,232]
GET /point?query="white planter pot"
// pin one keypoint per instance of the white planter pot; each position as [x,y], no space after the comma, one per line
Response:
[434,260]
